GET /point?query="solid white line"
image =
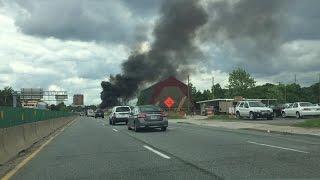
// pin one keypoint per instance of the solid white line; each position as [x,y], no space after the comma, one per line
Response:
[284,148]
[115,130]
[157,152]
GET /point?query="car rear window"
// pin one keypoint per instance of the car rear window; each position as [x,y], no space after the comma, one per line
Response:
[306,104]
[149,108]
[122,109]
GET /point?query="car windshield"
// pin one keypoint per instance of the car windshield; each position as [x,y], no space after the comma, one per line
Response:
[122,109]
[306,104]
[256,104]
[149,108]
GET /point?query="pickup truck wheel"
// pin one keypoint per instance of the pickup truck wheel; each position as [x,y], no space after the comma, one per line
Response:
[298,115]
[238,115]
[251,116]
[284,114]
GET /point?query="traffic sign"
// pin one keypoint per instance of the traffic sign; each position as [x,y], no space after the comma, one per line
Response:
[169,102]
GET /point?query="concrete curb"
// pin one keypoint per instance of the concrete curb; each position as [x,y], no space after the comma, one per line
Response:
[280,132]
[15,139]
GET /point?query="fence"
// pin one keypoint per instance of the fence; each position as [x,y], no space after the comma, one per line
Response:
[10,116]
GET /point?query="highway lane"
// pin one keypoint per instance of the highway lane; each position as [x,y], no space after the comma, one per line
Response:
[92,149]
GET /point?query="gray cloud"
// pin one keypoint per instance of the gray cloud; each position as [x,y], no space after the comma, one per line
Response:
[100,21]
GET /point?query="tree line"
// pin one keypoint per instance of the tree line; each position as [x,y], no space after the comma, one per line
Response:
[242,84]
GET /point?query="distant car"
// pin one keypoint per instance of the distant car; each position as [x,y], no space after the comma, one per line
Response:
[253,110]
[301,109]
[147,116]
[99,113]
[119,114]
[90,113]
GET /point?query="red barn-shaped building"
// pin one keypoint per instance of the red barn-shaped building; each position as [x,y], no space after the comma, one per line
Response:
[169,94]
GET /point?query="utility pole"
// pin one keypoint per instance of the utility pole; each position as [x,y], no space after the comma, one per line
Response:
[285,93]
[212,87]
[295,78]
[319,89]
[188,110]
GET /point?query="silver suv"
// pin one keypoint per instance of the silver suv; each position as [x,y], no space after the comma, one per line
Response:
[253,110]
[119,114]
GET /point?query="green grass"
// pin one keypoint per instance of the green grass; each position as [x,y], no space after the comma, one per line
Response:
[220,117]
[312,123]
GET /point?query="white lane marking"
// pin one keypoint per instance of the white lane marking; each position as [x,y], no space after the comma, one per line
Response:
[115,130]
[278,147]
[157,152]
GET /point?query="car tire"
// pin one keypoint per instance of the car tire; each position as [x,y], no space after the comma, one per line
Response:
[163,128]
[129,128]
[136,129]
[283,114]
[238,115]
[251,116]
[298,116]
[270,118]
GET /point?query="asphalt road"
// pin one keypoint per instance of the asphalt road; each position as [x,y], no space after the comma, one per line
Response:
[92,149]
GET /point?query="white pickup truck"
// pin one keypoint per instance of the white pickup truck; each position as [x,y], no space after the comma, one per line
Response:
[253,110]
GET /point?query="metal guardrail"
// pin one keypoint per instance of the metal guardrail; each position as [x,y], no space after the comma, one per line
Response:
[10,116]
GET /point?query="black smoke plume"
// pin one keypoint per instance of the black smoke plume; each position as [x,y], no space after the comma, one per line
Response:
[251,27]
[172,50]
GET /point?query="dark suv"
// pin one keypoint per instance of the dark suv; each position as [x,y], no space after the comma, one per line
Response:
[99,113]
[148,116]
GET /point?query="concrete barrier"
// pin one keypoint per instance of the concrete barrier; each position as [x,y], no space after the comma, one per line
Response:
[30,134]
[3,153]
[15,139]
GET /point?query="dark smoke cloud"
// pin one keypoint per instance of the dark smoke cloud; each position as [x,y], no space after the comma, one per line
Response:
[172,50]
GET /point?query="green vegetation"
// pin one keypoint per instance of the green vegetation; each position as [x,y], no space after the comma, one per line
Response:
[242,84]
[312,123]
[220,117]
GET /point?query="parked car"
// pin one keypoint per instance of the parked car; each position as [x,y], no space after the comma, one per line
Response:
[277,109]
[90,113]
[147,116]
[119,114]
[99,113]
[253,110]
[301,109]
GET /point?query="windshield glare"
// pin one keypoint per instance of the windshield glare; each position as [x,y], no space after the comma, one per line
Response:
[149,108]
[306,104]
[256,104]
[122,109]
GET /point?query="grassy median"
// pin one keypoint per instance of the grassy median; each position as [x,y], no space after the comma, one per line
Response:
[312,123]
[220,117]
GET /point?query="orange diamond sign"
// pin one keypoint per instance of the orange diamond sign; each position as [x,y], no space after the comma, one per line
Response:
[169,102]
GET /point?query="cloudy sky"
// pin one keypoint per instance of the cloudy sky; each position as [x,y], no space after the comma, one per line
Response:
[73,45]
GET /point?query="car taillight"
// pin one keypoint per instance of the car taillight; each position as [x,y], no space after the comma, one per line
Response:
[142,115]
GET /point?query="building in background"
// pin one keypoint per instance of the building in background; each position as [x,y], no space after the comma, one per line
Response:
[30,97]
[170,94]
[78,100]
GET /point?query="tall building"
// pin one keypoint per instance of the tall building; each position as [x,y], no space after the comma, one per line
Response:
[78,100]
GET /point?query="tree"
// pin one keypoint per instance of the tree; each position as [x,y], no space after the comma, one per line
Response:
[6,96]
[218,91]
[239,82]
